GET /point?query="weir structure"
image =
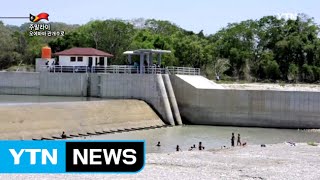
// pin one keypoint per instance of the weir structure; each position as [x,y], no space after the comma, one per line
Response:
[47,120]
[152,88]
[193,97]
[140,80]
[190,98]
[176,94]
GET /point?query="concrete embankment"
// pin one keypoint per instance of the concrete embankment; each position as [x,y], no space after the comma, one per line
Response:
[48,120]
[259,108]
[23,83]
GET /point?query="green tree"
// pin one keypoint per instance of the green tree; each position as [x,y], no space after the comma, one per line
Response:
[307,73]
[220,66]
[293,72]
[7,57]
[272,70]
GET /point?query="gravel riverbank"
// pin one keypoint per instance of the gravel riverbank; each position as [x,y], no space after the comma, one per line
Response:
[273,86]
[277,161]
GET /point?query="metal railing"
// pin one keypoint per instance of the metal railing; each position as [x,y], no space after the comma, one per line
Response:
[69,69]
[155,70]
[114,69]
[183,70]
[121,69]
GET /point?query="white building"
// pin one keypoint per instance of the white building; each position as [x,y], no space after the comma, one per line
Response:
[83,57]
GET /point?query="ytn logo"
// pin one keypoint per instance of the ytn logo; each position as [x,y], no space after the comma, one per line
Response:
[52,157]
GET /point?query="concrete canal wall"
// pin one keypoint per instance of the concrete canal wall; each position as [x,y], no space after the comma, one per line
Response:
[49,120]
[57,84]
[260,108]
[63,84]
[19,83]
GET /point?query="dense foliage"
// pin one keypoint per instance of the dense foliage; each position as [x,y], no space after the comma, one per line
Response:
[252,50]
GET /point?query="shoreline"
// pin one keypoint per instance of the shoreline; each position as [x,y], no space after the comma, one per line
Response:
[275,161]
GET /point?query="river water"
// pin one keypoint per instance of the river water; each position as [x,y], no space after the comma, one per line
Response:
[210,136]
[184,136]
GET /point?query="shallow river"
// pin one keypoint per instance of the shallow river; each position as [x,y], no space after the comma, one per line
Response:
[210,136]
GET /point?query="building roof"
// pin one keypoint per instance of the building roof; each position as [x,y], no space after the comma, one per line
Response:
[83,52]
[156,51]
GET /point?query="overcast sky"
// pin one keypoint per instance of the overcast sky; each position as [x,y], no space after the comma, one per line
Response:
[195,15]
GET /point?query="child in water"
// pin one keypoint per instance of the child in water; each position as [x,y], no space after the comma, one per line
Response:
[238,140]
[158,144]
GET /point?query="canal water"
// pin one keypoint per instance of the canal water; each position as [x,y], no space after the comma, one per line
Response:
[13,99]
[186,135]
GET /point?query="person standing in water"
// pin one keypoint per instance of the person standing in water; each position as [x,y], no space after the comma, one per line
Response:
[200,146]
[178,148]
[232,140]
[238,140]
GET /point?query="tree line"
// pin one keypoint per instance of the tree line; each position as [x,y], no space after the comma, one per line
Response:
[267,49]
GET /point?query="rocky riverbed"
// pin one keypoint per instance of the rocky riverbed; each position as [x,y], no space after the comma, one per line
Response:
[277,161]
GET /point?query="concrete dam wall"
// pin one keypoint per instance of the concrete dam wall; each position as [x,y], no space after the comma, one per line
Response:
[152,88]
[47,120]
[196,99]
[280,109]
[147,87]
